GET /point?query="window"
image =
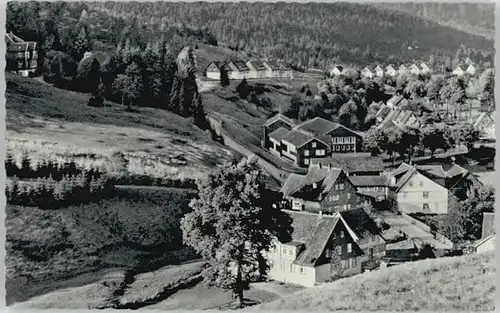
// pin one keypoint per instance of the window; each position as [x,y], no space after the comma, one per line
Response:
[425,207]
[306,152]
[410,184]
[284,147]
[348,195]
[292,269]
[354,262]
[341,186]
[35,54]
[320,152]
[421,183]
[314,145]
[302,270]
[349,248]
[20,55]
[345,263]
[342,234]
[338,250]
[315,185]
[27,55]
[306,161]
[426,194]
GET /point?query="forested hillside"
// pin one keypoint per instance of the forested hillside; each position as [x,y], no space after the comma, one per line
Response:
[314,34]
[474,18]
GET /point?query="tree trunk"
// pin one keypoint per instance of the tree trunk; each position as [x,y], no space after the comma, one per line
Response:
[238,292]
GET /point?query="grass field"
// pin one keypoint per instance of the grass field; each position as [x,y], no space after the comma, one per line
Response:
[45,120]
[136,228]
[465,283]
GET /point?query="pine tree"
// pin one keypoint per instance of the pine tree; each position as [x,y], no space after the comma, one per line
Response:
[82,44]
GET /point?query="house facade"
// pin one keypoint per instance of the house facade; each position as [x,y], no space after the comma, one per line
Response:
[402,70]
[428,189]
[322,249]
[390,71]
[414,69]
[353,164]
[458,71]
[337,70]
[471,70]
[21,56]
[367,72]
[379,71]
[213,70]
[424,69]
[322,189]
[276,69]
[311,139]
[238,70]
[257,69]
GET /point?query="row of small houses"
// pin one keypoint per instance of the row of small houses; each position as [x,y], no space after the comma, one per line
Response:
[390,70]
[251,69]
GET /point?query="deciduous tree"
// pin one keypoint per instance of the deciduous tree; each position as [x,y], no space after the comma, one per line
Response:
[232,223]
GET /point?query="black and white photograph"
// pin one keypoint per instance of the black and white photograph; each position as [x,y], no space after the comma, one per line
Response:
[255,156]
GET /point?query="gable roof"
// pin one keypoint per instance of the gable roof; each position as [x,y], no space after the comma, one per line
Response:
[240,65]
[482,116]
[338,67]
[390,67]
[314,232]
[383,112]
[280,117]
[258,65]
[297,138]
[319,126]
[277,65]
[352,163]
[488,227]
[279,133]
[360,222]
[301,186]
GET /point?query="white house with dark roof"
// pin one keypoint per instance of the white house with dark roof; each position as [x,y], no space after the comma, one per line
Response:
[322,247]
[278,69]
[485,124]
[257,69]
[424,68]
[458,71]
[238,70]
[379,71]
[414,69]
[403,69]
[213,69]
[367,72]
[471,70]
[337,70]
[429,188]
[390,71]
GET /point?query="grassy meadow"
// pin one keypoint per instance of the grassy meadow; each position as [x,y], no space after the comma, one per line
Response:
[465,283]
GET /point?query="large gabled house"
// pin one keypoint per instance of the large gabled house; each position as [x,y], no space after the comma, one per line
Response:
[471,70]
[379,71]
[214,69]
[324,247]
[391,71]
[21,56]
[353,164]
[424,69]
[337,70]
[311,139]
[429,189]
[415,70]
[278,69]
[238,70]
[322,189]
[403,69]
[458,71]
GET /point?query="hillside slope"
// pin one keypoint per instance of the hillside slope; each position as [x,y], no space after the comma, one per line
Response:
[43,120]
[457,283]
[310,33]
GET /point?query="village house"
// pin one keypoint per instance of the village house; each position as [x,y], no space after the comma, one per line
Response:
[337,70]
[324,189]
[238,70]
[471,70]
[396,101]
[379,72]
[399,118]
[366,72]
[257,69]
[276,69]
[390,70]
[21,56]
[374,187]
[429,189]
[485,124]
[402,70]
[313,138]
[325,247]
[213,70]
[382,113]
[458,71]
[322,248]
[414,69]
[424,69]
